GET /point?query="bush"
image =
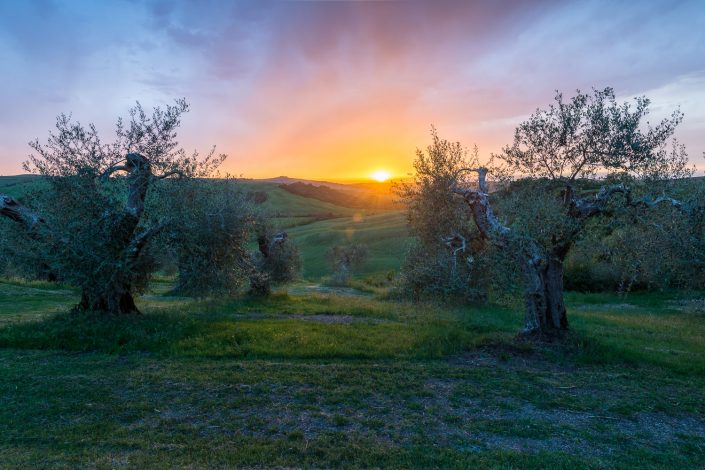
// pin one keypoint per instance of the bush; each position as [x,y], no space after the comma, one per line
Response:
[438,276]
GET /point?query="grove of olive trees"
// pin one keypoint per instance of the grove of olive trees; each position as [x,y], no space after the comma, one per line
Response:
[570,165]
[104,210]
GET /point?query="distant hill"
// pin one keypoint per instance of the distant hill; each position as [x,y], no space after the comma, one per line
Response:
[287,180]
[356,197]
[18,185]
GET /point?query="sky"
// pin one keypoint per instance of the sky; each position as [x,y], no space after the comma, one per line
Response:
[339,89]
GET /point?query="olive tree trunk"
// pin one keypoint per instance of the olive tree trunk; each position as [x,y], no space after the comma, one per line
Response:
[114,300]
[545,312]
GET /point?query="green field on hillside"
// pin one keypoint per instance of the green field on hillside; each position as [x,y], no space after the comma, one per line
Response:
[284,204]
[17,186]
[385,234]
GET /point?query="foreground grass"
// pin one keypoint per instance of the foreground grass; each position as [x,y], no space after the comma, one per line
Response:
[348,381]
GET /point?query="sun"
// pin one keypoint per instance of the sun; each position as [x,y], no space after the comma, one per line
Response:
[381,176]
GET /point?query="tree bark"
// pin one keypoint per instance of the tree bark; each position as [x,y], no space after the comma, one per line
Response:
[12,209]
[117,301]
[545,313]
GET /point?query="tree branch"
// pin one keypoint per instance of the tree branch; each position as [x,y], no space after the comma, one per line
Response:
[106,174]
[179,173]
[481,177]
[139,241]
[139,176]
[11,208]
[490,227]
[650,203]
[584,208]
[457,244]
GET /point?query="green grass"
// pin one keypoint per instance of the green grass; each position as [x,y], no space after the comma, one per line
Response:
[334,380]
[287,205]
[19,185]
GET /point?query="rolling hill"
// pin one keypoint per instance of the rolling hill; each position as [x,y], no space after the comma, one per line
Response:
[357,198]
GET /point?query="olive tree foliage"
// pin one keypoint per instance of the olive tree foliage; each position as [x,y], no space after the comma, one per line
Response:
[440,263]
[95,217]
[212,223]
[344,260]
[643,248]
[20,257]
[573,163]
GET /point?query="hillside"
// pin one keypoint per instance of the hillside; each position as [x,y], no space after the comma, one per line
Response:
[318,225]
[376,196]
[385,234]
[18,185]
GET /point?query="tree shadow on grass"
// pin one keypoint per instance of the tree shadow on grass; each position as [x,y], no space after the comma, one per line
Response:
[89,331]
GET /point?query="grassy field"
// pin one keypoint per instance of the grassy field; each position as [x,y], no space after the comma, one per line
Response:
[308,379]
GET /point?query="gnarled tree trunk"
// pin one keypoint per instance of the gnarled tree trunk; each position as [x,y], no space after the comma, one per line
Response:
[545,312]
[115,300]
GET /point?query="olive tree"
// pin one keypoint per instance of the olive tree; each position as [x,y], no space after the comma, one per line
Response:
[573,161]
[96,216]
[640,248]
[276,261]
[439,263]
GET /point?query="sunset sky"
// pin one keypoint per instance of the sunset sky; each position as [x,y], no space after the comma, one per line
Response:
[338,90]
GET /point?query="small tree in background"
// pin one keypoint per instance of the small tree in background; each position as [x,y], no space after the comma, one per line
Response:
[277,261]
[94,220]
[345,260]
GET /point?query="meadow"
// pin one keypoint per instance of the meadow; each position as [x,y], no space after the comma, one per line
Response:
[319,376]
[340,380]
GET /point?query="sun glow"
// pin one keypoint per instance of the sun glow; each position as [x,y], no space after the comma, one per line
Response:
[381,176]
